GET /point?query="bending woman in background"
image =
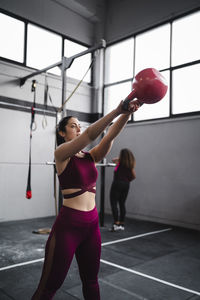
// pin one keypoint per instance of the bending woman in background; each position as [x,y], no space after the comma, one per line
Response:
[124,173]
[76,228]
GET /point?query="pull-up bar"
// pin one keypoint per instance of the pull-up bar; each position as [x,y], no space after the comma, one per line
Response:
[66,61]
[97,165]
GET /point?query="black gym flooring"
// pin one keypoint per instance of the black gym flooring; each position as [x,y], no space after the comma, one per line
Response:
[146,261]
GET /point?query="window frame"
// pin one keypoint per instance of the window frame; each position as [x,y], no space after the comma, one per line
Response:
[63,37]
[170,69]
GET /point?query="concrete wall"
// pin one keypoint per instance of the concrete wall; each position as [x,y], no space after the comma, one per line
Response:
[14,153]
[127,17]
[14,136]
[166,188]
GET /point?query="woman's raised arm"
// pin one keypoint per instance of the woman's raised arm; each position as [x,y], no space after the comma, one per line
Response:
[103,148]
[75,145]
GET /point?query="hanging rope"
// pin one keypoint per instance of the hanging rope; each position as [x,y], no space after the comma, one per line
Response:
[59,110]
[44,124]
[33,127]
[77,86]
[46,90]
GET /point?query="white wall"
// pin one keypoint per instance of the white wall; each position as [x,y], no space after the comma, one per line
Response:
[166,188]
[14,136]
[14,153]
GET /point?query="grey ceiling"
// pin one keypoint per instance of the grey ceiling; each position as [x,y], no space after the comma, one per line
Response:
[89,9]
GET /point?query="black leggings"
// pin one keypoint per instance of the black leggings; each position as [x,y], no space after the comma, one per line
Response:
[118,194]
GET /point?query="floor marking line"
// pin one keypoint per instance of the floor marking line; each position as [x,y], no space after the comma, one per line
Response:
[21,264]
[123,290]
[103,244]
[135,237]
[116,266]
[151,277]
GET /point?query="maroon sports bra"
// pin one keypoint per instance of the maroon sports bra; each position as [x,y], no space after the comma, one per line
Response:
[80,173]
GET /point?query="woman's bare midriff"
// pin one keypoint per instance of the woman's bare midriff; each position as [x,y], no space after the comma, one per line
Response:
[84,202]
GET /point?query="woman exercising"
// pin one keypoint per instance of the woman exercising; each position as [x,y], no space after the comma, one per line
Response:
[76,228]
[124,173]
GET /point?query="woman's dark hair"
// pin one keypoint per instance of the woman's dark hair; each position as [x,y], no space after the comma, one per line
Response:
[63,122]
[127,158]
[61,127]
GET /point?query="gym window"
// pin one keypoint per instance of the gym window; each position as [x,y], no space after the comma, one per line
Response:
[114,92]
[80,64]
[185,90]
[173,49]
[119,61]
[43,48]
[12,39]
[186,39]
[38,48]
[153,49]
[185,78]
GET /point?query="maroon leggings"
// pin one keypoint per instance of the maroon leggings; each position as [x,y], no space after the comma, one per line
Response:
[74,232]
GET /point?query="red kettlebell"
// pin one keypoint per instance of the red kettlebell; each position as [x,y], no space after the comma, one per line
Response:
[149,86]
